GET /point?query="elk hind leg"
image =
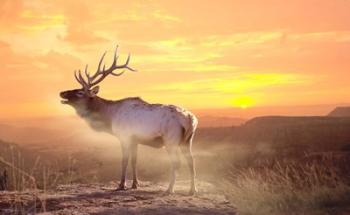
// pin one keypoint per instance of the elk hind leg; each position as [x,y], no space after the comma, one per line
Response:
[187,152]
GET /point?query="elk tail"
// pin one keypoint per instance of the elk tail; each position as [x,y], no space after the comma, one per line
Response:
[190,128]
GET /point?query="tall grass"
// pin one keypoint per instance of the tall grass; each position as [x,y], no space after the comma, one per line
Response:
[30,180]
[311,187]
[21,181]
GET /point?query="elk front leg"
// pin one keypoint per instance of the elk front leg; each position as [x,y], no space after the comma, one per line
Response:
[125,159]
[175,165]
[135,182]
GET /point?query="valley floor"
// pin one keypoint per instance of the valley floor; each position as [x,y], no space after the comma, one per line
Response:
[103,199]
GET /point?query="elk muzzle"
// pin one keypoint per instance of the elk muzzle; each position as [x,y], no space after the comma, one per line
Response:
[65,97]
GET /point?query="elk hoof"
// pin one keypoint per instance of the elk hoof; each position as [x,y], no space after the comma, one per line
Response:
[134,185]
[121,188]
[193,192]
[169,192]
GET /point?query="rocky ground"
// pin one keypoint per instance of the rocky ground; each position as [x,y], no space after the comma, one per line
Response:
[103,199]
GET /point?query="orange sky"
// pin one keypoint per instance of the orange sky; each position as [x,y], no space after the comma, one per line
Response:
[196,54]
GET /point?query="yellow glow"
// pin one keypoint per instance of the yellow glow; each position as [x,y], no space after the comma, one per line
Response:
[243,102]
[196,60]
[242,83]
[41,21]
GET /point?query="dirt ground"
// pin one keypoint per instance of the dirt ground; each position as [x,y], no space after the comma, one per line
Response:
[103,199]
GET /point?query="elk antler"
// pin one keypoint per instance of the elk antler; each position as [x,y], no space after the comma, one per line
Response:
[95,79]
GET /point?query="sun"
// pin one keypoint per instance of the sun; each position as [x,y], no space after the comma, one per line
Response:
[243,102]
[244,106]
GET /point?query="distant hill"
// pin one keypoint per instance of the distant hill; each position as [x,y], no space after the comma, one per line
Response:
[340,112]
[304,133]
[36,130]
[6,145]
[300,133]
[284,133]
[217,121]
[25,134]
[12,152]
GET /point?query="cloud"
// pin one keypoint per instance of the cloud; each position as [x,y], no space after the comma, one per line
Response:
[240,84]
[10,13]
[228,53]
[163,16]
[33,78]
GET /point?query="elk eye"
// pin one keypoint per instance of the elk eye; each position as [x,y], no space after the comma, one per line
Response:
[80,94]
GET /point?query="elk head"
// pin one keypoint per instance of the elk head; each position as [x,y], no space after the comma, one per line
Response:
[89,84]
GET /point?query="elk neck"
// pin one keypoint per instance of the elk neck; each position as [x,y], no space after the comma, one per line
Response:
[96,111]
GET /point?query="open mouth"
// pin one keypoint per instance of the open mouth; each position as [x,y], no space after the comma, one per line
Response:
[64,101]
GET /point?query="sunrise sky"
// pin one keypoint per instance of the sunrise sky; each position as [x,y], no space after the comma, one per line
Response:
[196,54]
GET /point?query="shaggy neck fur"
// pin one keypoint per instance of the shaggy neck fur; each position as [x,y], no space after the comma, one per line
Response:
[96,111]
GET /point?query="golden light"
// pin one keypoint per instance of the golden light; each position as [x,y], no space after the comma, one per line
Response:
[243,102]
[198,62]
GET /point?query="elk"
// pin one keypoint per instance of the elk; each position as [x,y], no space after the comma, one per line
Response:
[134,121]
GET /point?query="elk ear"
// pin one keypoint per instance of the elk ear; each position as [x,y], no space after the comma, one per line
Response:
[94,91]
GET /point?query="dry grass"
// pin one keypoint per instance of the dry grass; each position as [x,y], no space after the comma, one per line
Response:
[32,181]
[260,179]
[311,187]
[21,181]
